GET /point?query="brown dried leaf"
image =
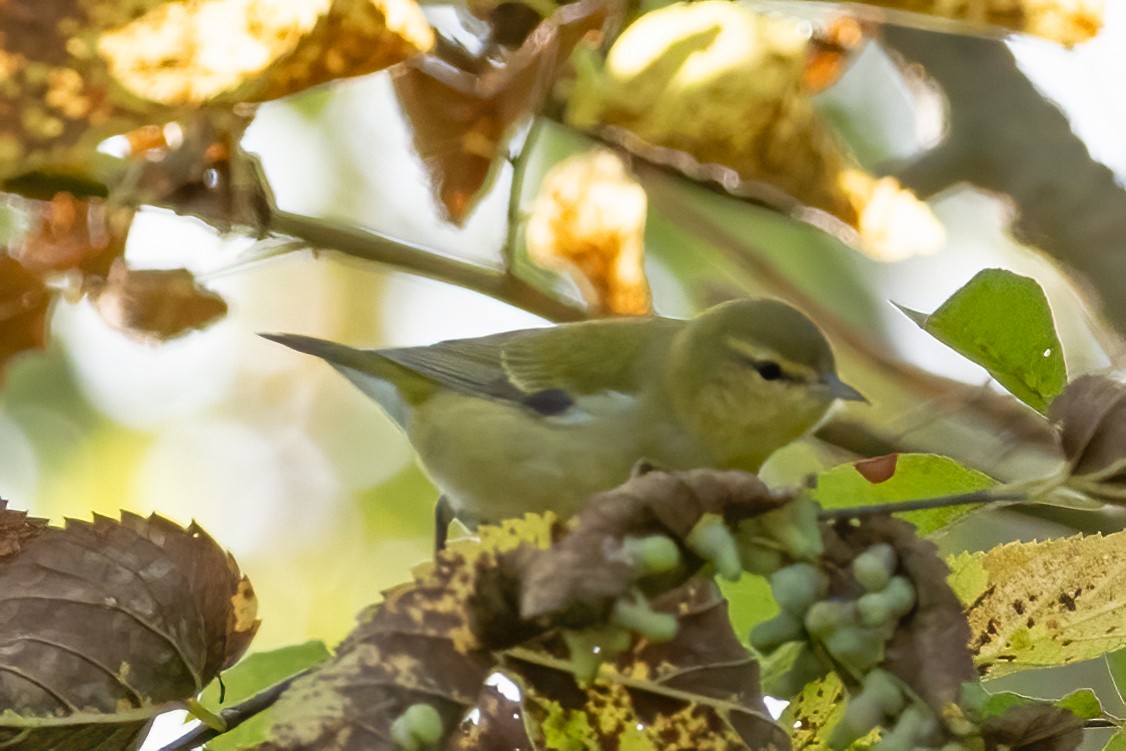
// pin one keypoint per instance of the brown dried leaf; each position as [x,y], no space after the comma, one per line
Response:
[725,87]
[1091,413]
[586,568]
[23,310]
[432,641]
[461,118]
[155,305]
[929,651]
[589,221]
[1040,727]
[103,622]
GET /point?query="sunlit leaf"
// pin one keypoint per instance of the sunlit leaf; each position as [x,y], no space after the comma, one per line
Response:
[103,623]
[589,221]
[718,91]
[901,477]
[1002,321]
[1043,603]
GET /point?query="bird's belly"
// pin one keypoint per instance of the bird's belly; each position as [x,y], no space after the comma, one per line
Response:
[495,460]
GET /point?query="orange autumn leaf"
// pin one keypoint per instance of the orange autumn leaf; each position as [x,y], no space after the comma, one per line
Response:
[23,311]
[71,233]
[589,221]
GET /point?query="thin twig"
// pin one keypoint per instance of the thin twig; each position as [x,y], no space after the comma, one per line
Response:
[234,716]
[419,259]
[922,504]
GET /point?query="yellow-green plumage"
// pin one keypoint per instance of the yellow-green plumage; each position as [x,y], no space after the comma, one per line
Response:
[543,418]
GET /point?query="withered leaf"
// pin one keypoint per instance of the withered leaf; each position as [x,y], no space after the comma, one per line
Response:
[431,641]
[1091,413]
[588,221]
[1045,603]
[460,118]
[929,651]
[104,622]
[23,310]
[586,568]
[1039,727]
[154,305]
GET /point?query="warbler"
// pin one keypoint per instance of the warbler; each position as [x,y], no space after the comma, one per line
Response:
[542,419]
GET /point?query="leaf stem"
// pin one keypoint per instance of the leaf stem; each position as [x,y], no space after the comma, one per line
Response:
[419,259]
[922,504]
[234,716]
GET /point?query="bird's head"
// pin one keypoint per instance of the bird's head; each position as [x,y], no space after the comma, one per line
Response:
[750,376]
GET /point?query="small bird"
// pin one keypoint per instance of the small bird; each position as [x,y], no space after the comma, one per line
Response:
[542,419]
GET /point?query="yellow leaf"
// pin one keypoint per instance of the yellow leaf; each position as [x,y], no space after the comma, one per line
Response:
[1064,21]
[1043,603]
[589,221]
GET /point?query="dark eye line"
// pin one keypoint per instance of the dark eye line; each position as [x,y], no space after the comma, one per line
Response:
[769,370]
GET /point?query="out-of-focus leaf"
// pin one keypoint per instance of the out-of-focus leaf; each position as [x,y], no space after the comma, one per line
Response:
[460,118]
[901,477]
[155,305]
[589,221]
[815,712]
[717,91]
[251,675]
[103,624]
[1039,726]
[78,72]
[1002,321]
[23,310]
[1046,603]
[1081,703]
[1064,21]
[67,233]
[1091,413]
[442,638]
[200,51]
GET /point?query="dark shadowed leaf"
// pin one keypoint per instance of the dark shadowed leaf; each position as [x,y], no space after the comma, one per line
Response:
[1091,413]
[104,623]
[1002,321]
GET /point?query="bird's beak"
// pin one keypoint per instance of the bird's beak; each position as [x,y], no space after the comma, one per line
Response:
[841,390]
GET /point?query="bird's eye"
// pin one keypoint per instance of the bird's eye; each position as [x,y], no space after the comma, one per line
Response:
[769,370]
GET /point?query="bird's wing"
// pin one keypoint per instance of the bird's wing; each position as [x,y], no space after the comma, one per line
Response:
[562,362]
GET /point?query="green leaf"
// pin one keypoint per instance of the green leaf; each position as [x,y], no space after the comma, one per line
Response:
[1002,321]
[1116,663]
[1082,703]
[901,477]
[1117,742]
[250,676]
[1041,604]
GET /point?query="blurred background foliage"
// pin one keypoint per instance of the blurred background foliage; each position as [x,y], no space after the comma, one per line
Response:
[313,489]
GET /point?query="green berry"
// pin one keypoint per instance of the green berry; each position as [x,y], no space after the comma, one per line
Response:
[873,609]
[759,559]
[855,647]
[874,567]
[913,725]
[795,528]
[884,689]
[798,587]
[639,618]
[712,540]
[827,616]
[770,634]
[591,647]
[860,717]
[900,594]
[654,554]
[418,727]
